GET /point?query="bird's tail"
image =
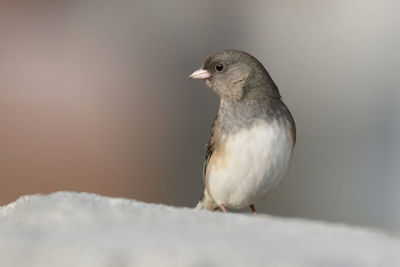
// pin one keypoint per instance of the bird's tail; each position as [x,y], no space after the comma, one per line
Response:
[207,203]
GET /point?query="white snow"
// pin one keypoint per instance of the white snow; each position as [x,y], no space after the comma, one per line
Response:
[81,229]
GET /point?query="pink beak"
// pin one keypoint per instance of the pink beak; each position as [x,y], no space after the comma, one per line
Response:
[201,74]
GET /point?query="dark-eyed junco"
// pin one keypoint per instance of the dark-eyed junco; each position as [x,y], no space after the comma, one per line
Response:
[252,137]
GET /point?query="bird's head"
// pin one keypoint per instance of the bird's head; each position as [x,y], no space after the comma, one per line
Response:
[236,75]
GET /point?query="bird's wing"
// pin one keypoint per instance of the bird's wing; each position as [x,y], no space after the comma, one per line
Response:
[210,150]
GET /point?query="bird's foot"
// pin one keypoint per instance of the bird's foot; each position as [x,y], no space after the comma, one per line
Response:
[253,209]
[223,208]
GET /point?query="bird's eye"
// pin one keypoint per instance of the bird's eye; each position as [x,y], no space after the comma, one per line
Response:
[219,67]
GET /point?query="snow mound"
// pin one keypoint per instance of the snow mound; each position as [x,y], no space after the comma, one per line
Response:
[81,229]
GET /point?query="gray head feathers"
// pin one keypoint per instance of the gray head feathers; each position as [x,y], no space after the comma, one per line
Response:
[236,75]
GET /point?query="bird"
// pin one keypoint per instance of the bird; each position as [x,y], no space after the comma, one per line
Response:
[252,137]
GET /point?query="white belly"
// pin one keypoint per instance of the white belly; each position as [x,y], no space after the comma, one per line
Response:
[250,164]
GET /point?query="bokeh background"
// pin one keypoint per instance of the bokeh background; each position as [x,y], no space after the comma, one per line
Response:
[94,96]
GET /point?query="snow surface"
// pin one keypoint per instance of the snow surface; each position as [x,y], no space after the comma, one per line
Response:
[81,229]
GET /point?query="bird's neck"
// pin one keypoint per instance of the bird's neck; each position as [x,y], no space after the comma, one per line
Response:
[234,115]
[259,86]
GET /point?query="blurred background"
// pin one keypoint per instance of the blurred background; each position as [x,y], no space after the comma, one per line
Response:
[94,96]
